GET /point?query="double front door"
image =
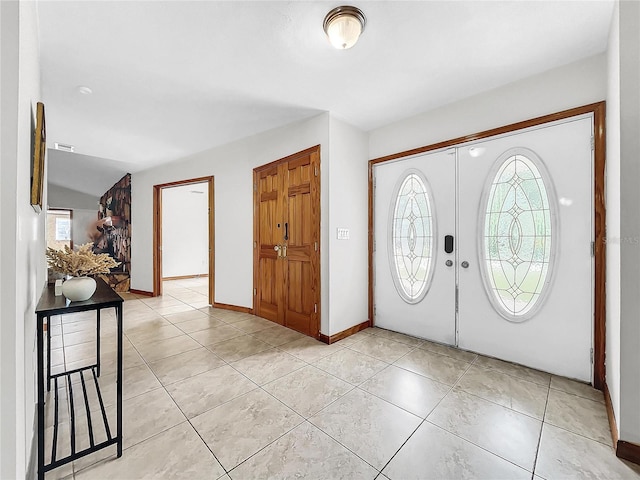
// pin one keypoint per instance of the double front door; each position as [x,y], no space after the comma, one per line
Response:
[286,246]
[488,246]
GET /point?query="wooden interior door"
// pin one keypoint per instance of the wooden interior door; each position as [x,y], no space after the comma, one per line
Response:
[270,275]
[287,248]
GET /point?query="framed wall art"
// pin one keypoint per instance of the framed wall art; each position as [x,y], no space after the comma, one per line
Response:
[37,165]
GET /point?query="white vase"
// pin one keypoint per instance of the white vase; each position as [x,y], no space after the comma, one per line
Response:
[79,289]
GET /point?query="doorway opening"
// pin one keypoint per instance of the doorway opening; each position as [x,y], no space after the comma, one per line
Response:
[184,225]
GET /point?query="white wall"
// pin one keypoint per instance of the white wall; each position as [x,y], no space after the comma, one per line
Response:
[22,236]
[232,165]
[62,197]
[629,420]
[82,220]
[185,230]
[9,427]
[573,85]
[348,206]
[623,219]
[612,190]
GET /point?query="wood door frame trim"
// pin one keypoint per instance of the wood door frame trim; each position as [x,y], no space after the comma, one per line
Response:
[256,226]
[598,110]
[157,232]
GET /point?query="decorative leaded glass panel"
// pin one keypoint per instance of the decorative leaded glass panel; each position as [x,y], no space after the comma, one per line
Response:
[411,236]
[518,235]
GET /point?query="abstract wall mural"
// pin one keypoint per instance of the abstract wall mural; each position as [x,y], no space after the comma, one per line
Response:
[112,233]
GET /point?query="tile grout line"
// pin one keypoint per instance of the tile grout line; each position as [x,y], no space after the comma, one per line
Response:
[535,459]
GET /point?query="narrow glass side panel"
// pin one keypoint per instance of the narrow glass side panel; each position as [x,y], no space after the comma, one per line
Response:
[518,235]
[411,236]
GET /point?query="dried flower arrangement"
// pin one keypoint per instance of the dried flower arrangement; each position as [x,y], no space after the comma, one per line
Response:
[80,263]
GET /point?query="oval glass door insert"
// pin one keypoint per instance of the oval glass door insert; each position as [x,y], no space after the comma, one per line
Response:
[411,239]
[518,235]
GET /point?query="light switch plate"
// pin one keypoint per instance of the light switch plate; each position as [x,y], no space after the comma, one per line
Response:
[343,234]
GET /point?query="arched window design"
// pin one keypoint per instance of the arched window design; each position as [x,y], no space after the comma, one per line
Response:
[411,241]
[518,234]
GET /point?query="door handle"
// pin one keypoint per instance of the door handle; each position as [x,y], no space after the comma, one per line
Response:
[448,243]
[278,249]
[464,264]
[286,231]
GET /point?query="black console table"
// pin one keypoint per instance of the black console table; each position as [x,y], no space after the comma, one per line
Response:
[48,306]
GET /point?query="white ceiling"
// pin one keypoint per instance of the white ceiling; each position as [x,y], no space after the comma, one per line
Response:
[174,78]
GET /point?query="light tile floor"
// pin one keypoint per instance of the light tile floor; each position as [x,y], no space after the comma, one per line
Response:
[210,393]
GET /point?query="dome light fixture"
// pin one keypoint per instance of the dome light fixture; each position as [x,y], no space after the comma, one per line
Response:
[343,26]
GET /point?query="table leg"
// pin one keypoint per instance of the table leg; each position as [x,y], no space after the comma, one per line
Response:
[119,378]
[40,355]
[98,340]
[48,352]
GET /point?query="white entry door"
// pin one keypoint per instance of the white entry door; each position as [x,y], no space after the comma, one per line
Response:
[518,281]
[414,275]
[525,258]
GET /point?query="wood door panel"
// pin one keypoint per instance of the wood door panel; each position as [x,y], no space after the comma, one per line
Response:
[300,215]
[266,196]
[299,322]
[299,253]
[267,232]
[267,274]
[301,289]
[299,189]
[269,291]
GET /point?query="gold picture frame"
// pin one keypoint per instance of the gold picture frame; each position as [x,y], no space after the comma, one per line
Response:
[39,151]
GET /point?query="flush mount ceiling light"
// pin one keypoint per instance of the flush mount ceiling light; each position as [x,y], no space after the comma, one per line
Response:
[344,25]
[84,90]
